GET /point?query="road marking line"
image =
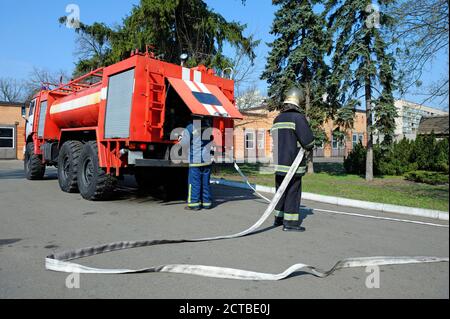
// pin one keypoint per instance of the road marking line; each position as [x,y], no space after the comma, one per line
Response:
[379,217]
[245,178]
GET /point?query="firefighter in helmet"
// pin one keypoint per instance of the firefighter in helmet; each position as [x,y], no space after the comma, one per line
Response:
[197,138]
[290,131]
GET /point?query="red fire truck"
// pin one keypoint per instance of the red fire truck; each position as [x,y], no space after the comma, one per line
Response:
[118,120]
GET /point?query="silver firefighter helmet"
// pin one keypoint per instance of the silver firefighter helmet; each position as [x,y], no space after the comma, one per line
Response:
[295,96]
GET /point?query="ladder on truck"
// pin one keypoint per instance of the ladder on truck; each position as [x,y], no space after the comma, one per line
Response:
[84,82]
[154,111]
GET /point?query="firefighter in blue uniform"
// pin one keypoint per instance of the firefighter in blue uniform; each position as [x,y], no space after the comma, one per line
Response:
[197,138]
[290,132]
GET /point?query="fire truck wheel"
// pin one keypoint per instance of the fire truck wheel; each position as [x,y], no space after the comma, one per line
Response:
[69,156]
[34,169]
[93,181]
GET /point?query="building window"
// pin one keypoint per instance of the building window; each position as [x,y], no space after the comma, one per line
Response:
[249,140]
[7,137]
[336,144]
[357,138]
[261,140]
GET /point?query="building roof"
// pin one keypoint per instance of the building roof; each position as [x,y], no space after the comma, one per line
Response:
[13,104]
[438,124]
[409,104]
[264,107]
[254,114]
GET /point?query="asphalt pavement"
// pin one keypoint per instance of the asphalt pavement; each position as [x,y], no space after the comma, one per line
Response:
[36,219]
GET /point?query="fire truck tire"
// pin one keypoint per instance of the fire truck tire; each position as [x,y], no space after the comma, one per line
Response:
[34,168]
[68,159]
[93,181]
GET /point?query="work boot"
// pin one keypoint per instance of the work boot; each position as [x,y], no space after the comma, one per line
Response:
[299,229]
[207,206]
[278,221]
[197,208]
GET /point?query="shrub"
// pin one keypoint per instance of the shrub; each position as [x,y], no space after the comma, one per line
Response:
[385,162]
[425,153]
[355,162]
[433,178]
[430,154]
[440,156]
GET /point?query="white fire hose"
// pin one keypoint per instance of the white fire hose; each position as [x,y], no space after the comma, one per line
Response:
[60,261]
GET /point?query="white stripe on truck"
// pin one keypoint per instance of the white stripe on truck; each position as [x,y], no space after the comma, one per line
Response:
[197,76]
[197,86]
[186,74]
[221,110]
[78,103]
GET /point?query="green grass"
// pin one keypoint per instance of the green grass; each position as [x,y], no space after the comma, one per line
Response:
[333,181]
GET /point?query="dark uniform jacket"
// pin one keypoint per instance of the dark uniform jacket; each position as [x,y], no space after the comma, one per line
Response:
[290,131]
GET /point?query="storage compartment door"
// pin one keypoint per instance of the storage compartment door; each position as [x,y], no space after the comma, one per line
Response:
[118,105]
[205,99]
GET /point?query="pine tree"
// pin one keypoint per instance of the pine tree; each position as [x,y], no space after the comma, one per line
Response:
[172,27]
[361,62]
[297,58]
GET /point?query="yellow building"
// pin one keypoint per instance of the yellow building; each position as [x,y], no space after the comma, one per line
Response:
[12,130]
[253,140]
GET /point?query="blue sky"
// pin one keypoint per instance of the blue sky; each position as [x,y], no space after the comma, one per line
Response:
[31,36]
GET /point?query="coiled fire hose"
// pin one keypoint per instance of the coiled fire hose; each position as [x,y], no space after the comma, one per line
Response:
[61,261]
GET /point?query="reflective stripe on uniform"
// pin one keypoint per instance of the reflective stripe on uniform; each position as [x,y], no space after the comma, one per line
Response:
[194,204]
[285,169]
[291,217]
[189,193]
[278,213]
[199,164]
[283,125]
[206,204]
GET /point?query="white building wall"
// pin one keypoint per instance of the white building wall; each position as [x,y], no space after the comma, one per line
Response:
[409,117]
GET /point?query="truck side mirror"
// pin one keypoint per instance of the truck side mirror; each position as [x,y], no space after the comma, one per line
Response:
[24,112]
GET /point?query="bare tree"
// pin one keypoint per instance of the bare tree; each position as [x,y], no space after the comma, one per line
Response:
[422,32]
[89,47]
[40,78]
[249,98]
[11,90]
[245,72]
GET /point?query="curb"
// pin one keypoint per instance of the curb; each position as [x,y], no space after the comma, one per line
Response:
[339,201]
